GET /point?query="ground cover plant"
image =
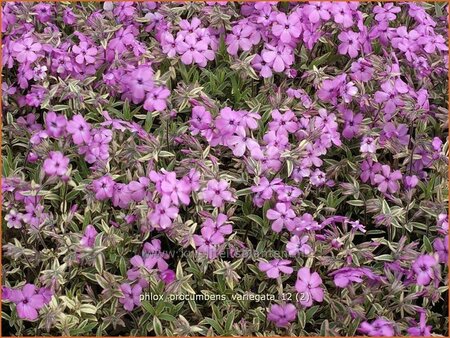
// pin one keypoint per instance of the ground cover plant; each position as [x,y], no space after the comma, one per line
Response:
[224,168]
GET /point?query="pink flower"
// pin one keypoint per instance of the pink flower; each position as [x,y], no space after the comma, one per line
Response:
[200,120]
[379,327]
[297,244]
[279,57]
[140,83]
[121,195]
[239,38]
[163,215]
[239,142]
[29,122]
[192,179]
[388,181]
[349,43]
[84,53]
[352,124]
[167,276]
[390,95]
[317,11]
[287,28]
[175,190]
[309,286]
[441,248]
[282,315]
[368,145]
[157,99]
[362,70]
[139,267]
[219,224]
[27,301]
[152,250]
[192,51]
[103,187]
[56,164]
[282,216]
[55,124]
[138,189]
[422,330]
[208,241]
[423,268]
[217,193]
[283,123]
[169,45]
[386,12]
[229,121]
[89,236]
[275,266]
[131,296]
[14,219]
[262,66]
[25,51]
[342,14]
[79,129]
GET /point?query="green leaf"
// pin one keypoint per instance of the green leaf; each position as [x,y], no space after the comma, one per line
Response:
[157,326]
[243,192]
[148,307]
[302,319]
[356,203]
[385,258]
[255,218]
[319,60]
[88,308]
[229,322]
[148,122]
[427,244]
[214,324]
[167,317]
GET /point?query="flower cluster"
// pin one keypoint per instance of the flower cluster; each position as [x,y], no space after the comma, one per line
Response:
[289,159]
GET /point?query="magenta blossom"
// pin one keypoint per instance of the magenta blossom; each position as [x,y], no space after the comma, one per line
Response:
[208,242]
[309,286]
[282,315]
[279,57]
[219,224]
[388,181]
[217,193]
[56,164]
[84,53]
[28,302]
[349,43]
[441,247]
[282,216]
[55,124]
[239,142]
[26,50]
[175,191]
[423,268]
[275,266]
[103,187]
[131,296]
[297,245]
[79,129]
[157,99]
[89,236]
[163,215]
[422,330]
[287,28]
[14,219]
[379,327]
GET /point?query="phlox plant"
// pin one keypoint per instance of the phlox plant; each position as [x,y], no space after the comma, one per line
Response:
[224,168]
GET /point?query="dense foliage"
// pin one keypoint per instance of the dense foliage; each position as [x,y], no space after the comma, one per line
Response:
[224,168]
